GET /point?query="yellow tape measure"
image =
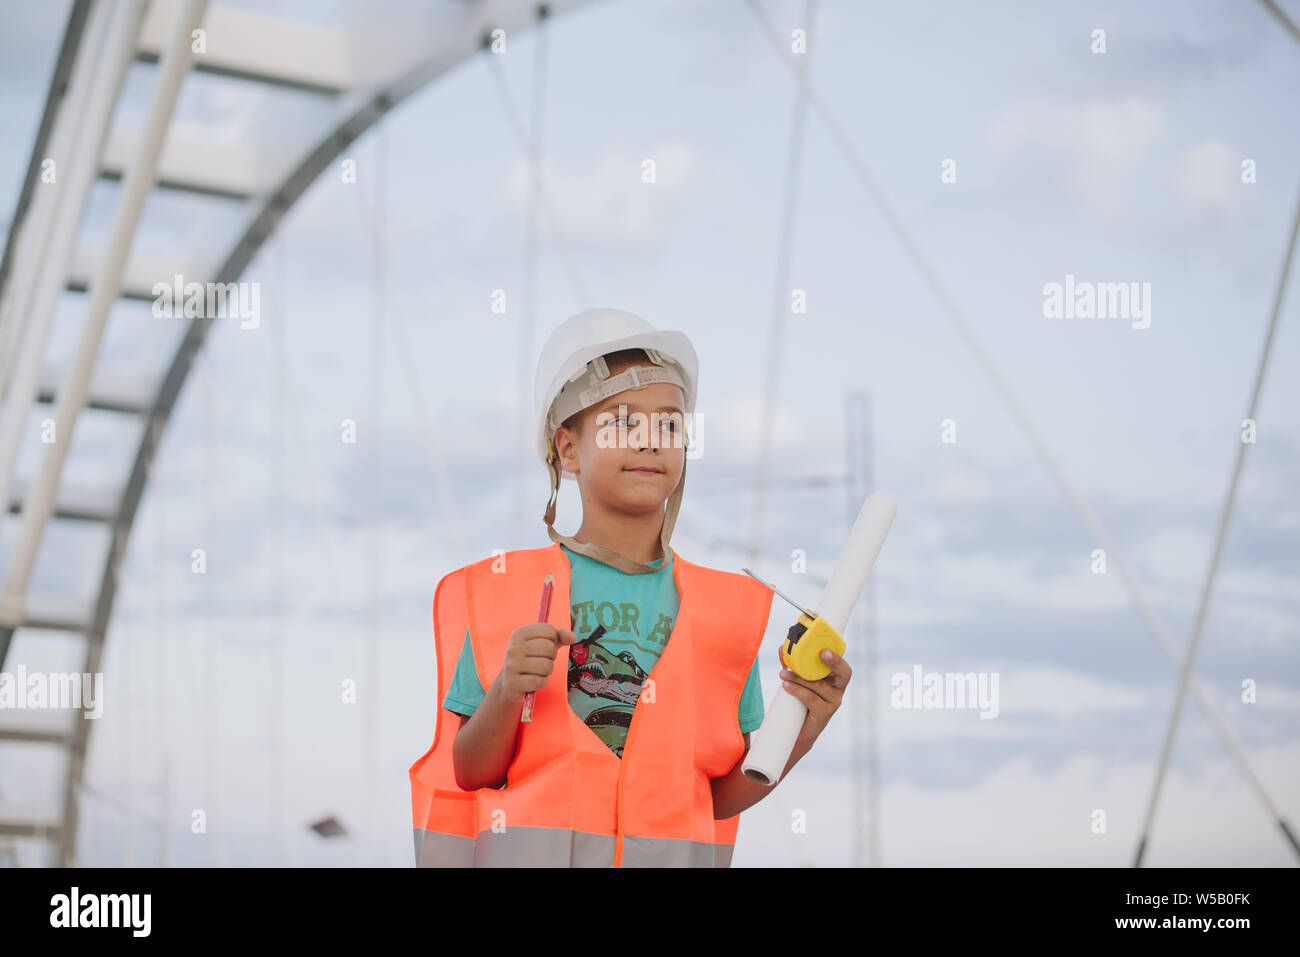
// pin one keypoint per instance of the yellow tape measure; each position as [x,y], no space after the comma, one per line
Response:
[802,649]
[807,638]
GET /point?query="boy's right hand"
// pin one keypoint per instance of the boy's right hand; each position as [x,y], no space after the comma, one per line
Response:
[530,658]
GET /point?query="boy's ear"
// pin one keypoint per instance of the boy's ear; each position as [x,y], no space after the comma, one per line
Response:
[566,449]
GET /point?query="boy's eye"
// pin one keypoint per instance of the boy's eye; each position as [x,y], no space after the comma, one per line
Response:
[664,422]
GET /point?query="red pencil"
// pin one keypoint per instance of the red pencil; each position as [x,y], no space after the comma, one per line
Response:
[526,716]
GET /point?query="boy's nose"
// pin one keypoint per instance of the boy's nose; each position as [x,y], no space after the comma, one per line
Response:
[645,436]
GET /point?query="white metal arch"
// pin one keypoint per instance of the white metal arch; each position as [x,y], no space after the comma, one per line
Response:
[364,73]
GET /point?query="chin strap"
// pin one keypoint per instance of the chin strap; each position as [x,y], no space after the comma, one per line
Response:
[600,553]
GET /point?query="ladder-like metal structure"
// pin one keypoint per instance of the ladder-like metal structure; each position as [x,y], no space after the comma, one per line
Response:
[366,60]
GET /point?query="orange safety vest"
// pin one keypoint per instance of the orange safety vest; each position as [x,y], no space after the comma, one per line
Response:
[568,799]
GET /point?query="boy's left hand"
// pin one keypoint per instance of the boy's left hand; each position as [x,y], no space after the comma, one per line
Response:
[822,698]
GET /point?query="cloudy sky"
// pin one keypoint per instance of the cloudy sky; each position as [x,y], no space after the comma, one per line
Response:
[1116,167]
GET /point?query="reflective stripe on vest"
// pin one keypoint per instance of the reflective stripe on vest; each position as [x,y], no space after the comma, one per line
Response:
[541,846]
[568,800]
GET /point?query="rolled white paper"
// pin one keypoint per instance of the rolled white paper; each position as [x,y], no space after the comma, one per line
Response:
[774,740]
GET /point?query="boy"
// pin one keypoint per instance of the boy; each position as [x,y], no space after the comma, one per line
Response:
[633,755]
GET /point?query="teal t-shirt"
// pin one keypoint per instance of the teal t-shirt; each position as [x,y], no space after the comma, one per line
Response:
[623,623]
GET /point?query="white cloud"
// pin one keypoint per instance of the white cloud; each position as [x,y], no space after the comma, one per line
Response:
[1110,133]
[607,202]
[1206,174]
[1094,146]
[1019,817]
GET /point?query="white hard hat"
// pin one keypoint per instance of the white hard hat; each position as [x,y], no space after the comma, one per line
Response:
[572,376]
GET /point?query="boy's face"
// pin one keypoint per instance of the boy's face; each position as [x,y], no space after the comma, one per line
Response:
[626,457]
